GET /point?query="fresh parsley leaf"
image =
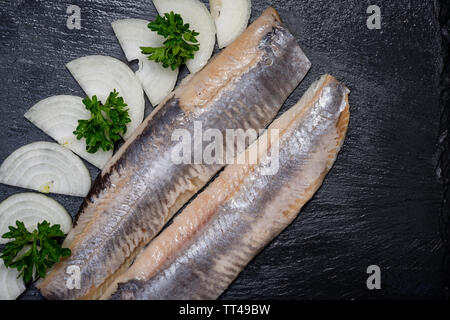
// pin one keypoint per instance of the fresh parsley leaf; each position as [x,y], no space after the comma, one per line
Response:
[43,253]
[180,44]
[107,122]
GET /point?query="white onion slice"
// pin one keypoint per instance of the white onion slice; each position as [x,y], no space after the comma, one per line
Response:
[58,117]
[156,80]
[46,167]
[11,287]
[231,18]
[197,15]
[31,209]
[99,75]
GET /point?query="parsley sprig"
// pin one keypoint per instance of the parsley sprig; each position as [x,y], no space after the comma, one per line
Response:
[43,253]
[180,44]
[107,122]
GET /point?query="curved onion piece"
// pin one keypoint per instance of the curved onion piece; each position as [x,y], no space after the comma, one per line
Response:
[31,209]
[156,80]
[11,287]
[58,117]
[99,75]
[231,18]
[197,15]
[46,167]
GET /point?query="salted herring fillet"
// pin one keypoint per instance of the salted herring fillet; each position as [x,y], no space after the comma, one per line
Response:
[141,188]
[219,232]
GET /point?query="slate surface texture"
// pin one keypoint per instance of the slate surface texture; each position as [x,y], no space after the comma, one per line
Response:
[384,203]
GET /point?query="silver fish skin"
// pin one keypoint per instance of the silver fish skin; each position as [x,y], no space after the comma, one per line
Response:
[141,188]
[244,208]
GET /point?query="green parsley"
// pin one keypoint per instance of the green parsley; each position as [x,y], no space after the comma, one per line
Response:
[43,253]
[107,122]
[180,43]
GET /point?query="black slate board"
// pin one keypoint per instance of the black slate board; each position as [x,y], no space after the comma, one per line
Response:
[383,202]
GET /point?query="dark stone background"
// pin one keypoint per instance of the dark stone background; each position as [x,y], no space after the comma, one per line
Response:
[383,203]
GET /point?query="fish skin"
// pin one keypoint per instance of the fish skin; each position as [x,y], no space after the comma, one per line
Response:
[238,214]
[140,189]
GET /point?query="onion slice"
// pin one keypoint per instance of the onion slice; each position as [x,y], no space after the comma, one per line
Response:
[58,117]
[11,287]
[46,167]
[231,18]
[31,209]
[156,80]
[197,15]
[100,75]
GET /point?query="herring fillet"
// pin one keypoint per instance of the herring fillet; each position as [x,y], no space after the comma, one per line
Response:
[220,231]
[140,189]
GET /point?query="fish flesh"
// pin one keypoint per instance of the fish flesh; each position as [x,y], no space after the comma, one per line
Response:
[246,206]
[141,188]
